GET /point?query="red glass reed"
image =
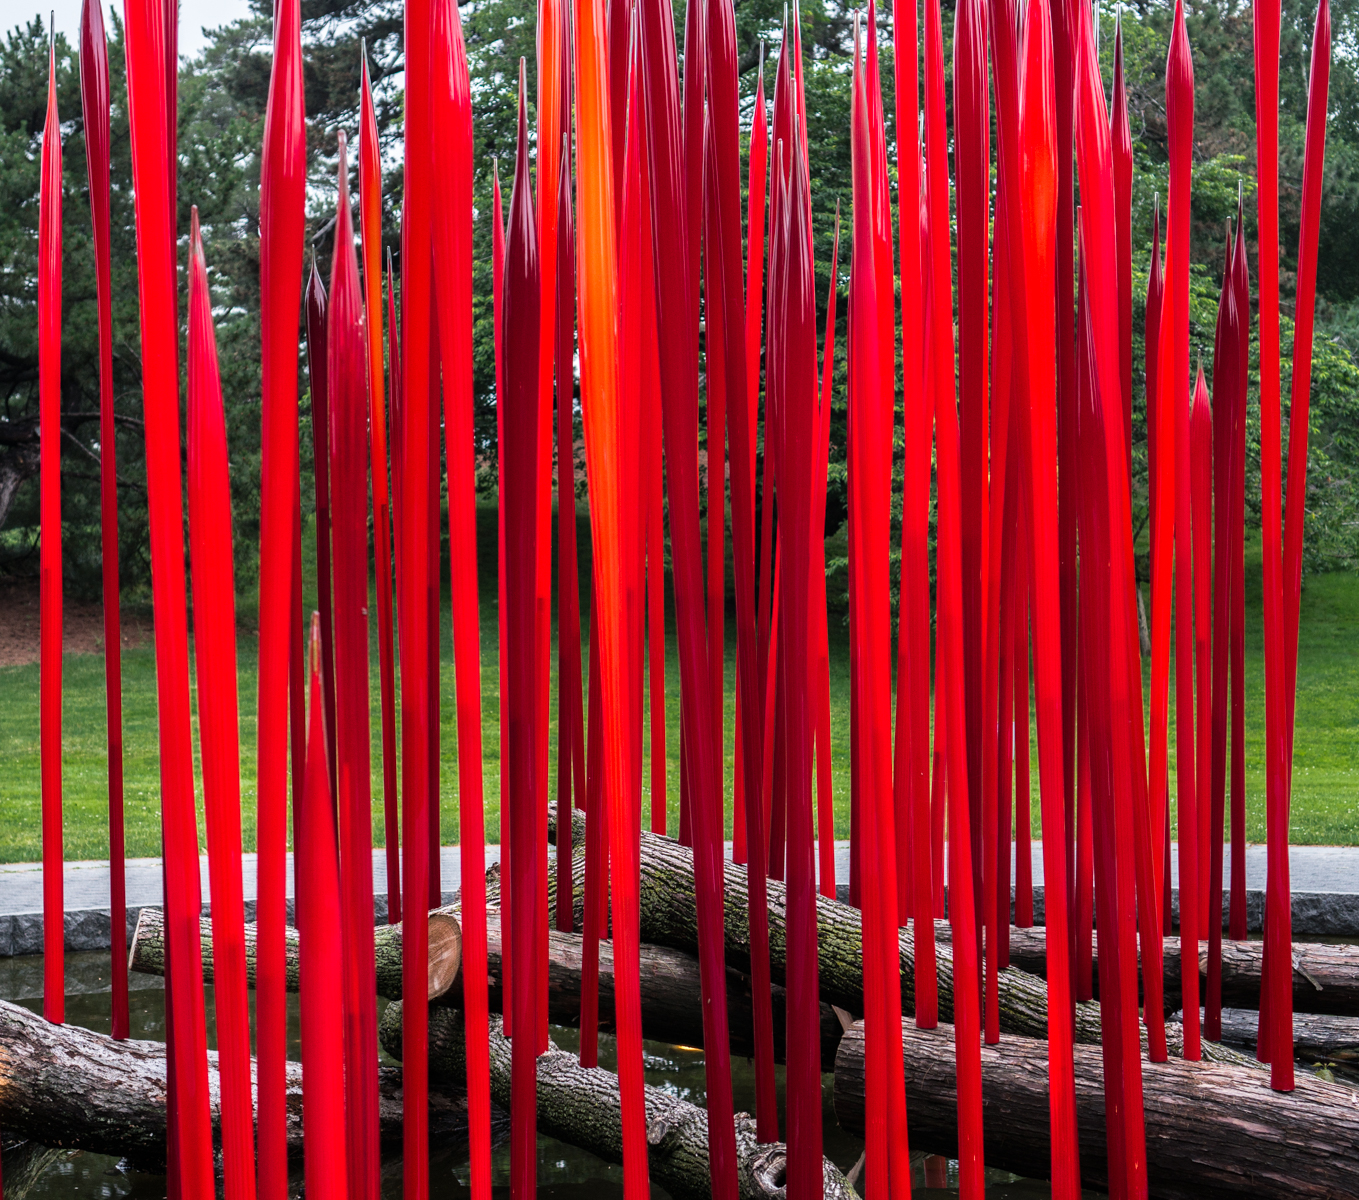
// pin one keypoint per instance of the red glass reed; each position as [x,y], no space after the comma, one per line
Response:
[433,644]
[1023,799]
[50,569]
[1173,483]
[502,612]
[346,447]
[1120,135]
[1119,765]
[214,608]
[893,824]
[1004,591]
[739,356]
[1278,920]
[820,650]
[748,736]
[94,100]
[726,319]
[413,582]
[677,315]
[1029,220]
[654,535]
[518,465]
[911,778]
[952,618]
[1064,18]
[453,258]
[1105,612]
[796,314]
[750,832]
[1009,555]
[152,133]
[715,448]
[1122,700]
[570,701]
[1160,450]
[938,798]
[1266,30]
[1201,507]
[370,227]
[596,920]
[319,388]
[655,564]
[325,1146]
[394,374]
[972,167]
[636,374]
[1008,831]
[282,227]
[870,416]
[597,311]
[297,706]
[553,119]
[1224,398]
[1236,524]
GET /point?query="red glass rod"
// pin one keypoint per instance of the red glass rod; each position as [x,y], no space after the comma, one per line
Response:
[282,226]
[214,606]
[94,97]
[50,569]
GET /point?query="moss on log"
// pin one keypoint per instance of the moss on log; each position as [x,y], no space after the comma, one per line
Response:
[582,1106]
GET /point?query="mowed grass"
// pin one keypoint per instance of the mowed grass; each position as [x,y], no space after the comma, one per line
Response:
[1326,763]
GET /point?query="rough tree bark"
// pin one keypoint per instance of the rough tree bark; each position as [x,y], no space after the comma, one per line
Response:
[1212,1130]
[61,1085]
[1317,1038]
[1325,976]
[669,984]
[669,918]
[582,1106]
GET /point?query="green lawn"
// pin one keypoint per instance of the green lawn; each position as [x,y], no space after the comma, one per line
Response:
[1326,769]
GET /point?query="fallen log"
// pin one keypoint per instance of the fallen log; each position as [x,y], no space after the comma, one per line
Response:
[669,918]
[445,951]
[1317,1038]
[583,1106]
[63,1086]
[669,984]
[1325,976]
[1212,1130]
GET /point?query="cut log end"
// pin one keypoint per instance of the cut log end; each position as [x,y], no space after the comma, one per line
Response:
[445,952]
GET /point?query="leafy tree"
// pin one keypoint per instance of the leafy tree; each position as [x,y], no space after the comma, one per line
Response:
[223,94]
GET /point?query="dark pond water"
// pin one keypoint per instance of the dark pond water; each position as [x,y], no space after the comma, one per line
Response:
[564,1172]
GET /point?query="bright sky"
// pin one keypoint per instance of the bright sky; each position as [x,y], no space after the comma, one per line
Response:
[193,15]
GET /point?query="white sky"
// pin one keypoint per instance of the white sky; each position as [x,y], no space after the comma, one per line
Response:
[193,15]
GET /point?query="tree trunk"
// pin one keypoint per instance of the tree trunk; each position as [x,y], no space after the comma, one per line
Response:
[669,984]
[64,1086]
[1317,1038]
[583,1106]
[1212,1130]
[669,918]
[445,951]
[1325,976]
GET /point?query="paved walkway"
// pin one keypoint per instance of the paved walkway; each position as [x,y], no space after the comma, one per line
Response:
[1325,886]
